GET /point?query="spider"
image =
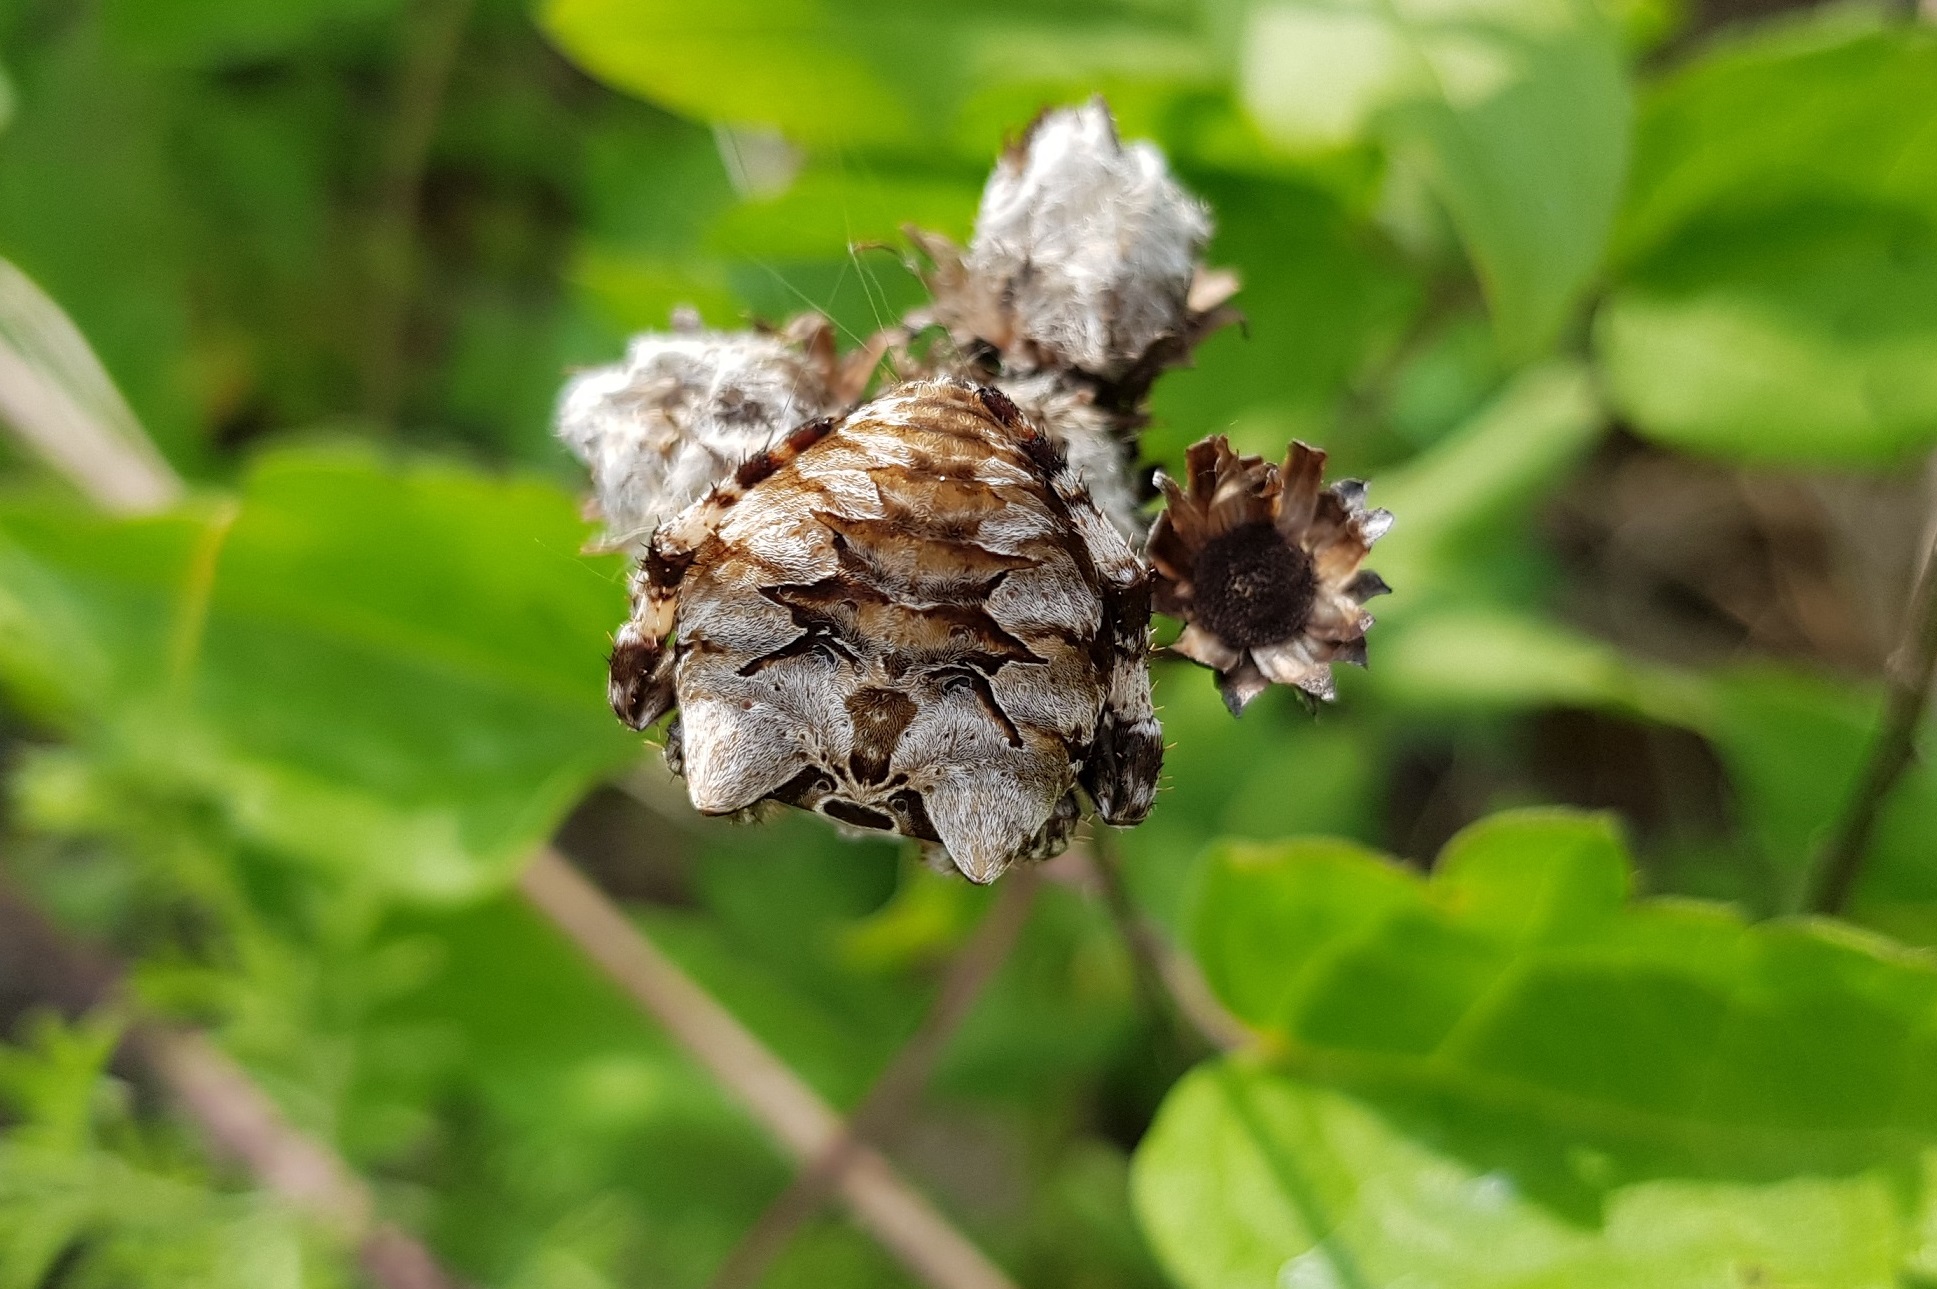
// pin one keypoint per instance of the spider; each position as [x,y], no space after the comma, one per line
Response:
[909,619]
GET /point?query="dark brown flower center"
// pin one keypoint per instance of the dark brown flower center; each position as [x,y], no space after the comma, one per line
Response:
[1251,587]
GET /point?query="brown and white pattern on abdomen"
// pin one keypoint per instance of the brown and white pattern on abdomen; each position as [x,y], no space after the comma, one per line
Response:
[916,622]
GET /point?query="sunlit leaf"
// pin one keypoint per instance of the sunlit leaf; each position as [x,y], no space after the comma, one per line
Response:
[1515,111]
[1812,339]
[1830,112]
[1250,1178]
[1523,1068]
[847,73]
[392,670]
[1779,250]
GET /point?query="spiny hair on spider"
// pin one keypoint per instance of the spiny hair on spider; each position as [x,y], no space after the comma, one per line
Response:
[909,620]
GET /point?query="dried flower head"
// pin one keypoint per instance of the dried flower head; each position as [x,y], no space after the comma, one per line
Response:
[1084,261]
[1263,567]
[684,409]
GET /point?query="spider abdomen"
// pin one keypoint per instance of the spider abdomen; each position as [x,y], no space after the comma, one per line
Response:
[911,620]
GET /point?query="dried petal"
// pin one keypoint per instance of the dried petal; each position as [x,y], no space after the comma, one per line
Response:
[1204,647]
[1242,686]
[1263,567]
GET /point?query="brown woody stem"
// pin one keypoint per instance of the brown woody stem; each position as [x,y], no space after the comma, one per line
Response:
[884,1204]
[232,1114]
[1169,984]
[893,1095]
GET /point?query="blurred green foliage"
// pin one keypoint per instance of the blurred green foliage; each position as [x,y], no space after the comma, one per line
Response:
[1501,1075]
[283,748]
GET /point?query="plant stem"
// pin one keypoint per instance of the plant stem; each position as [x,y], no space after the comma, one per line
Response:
[1911,673]
[1168,983]
[239,1120]
[435,31]
[233,1115]
[884,1204]
[893,1095]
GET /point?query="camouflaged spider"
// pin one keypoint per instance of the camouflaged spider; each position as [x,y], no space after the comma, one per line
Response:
[911,619]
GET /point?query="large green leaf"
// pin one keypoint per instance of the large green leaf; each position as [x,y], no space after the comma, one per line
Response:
[1779,252]
[1834,112]
[1251,1179]
[391,669]
[1567,1062]
[1514,111]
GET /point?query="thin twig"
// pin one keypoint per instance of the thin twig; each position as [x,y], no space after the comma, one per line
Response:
[1168,983]
[884,1204]
[893,1095]
[240,1122]
[233,1115]
[1911,673]
[435,32]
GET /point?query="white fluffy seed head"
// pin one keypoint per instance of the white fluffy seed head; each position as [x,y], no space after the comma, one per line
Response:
[1091,242]
[679,414]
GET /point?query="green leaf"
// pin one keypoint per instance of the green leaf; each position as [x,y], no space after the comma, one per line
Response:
[1507,1074]
[90,1195]
[856,74]
[1250,1179]
[1833,111]
[1778,255]
[95,1218]
[1809,339]
[1515,112]
[1517,975]
[391,671]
